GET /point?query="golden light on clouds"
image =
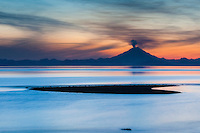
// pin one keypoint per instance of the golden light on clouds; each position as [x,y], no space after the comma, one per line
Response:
[68,36]
[7,31]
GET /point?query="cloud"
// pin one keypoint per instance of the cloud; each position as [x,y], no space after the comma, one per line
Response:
[138,6]
[125,33]
[36,49]
[144,21]
[150,23]
[22,49]
[146,38]
[187,38]
[31,22]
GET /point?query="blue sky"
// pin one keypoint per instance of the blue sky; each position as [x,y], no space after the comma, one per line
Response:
[79,29]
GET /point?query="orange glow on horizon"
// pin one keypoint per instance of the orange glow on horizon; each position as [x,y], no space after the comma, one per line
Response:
[176,52]
[173,52]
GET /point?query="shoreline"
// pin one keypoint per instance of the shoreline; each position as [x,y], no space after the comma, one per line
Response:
[109,89]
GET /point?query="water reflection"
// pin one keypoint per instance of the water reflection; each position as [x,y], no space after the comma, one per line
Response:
[65,75]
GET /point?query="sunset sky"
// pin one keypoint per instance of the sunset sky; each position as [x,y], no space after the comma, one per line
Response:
[80,29]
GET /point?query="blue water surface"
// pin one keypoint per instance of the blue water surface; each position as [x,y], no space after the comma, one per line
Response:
[24,110]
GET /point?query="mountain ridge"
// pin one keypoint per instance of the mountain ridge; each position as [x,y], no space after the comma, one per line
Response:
[133,57]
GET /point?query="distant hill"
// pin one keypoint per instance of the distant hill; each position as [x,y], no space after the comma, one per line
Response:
[133,57]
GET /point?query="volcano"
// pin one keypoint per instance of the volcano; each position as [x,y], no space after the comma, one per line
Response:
[137,56]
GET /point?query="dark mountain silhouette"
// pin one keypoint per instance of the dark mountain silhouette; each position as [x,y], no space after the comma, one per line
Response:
[137,56]
[133,57]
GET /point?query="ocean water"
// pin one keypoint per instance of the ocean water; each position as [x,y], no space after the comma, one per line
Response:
[24,110]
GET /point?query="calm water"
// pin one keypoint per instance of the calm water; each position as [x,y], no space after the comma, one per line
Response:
[23,110]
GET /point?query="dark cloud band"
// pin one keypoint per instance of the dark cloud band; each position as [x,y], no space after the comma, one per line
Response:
[34,23]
